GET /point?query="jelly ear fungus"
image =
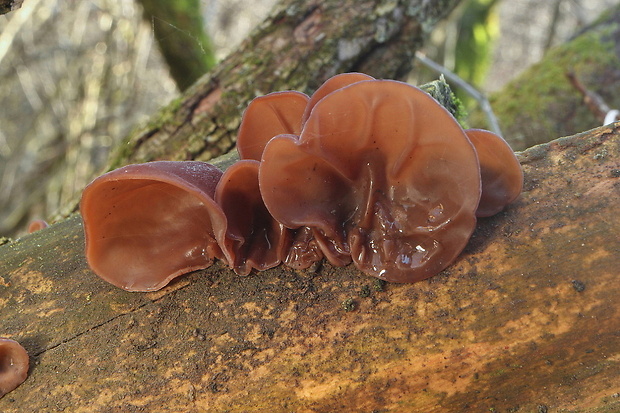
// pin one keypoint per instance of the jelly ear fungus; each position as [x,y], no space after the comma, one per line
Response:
[146,224]
[14,364]
[500,171]
[252,238]
[267,116]
[383,175]
[373,172]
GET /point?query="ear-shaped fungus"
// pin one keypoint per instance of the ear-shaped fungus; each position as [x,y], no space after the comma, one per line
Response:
[36,225]
[500,171]
[383,175]
[252,238]
[268,116]
[331,85]
[146,224]
[14,365]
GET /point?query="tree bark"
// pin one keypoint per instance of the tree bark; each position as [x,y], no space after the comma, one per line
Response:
[299,46]
[527,318]
[9,5]
[542,103]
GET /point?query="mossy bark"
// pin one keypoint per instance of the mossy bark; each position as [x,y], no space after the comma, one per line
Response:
[300,45]
[526,319]
[542,103]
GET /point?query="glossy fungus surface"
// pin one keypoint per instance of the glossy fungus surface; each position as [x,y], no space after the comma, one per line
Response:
[252,238]
[14,365]
[146,224]
[268,116]
[374,172]
[383,175]
[331,85]
[500,171]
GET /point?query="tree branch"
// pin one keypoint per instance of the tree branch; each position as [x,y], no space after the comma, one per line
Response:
[9,5]
[526,319]
[300,45]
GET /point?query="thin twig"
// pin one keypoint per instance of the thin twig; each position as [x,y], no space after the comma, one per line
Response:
[593,100]
[469,89]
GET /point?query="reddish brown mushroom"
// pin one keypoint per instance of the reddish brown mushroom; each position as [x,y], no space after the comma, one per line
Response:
[146,224]
[370,171]
[331,85]
[383,175]
[268,116]
[252,238]
[500,171]
[36,225]
[14,365]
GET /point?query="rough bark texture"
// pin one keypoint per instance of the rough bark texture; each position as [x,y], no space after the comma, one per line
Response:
[542,103]
[300,45]
[526,320]
[9,5]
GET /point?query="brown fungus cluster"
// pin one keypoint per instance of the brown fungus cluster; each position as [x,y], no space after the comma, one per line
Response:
[373,172]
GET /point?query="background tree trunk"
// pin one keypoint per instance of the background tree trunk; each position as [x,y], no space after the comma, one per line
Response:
[178,28]
[542,103]
[527,318]
[9,5]
[299,46]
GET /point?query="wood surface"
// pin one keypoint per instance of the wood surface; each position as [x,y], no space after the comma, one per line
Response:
[526,320]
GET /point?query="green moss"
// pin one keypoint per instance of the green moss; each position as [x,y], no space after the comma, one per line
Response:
[541,104]
[166,116]
[348,304]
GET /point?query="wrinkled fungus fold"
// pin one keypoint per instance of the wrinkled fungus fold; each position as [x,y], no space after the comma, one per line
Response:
[382,174]
[14,364]
[374,172]
[331,85]
[252,238]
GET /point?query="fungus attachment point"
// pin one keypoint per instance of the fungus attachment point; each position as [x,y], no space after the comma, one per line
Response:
[500,171]
[146,224]
[383,175]
[14,365]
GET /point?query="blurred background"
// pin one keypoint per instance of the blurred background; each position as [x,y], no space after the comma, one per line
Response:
[75,76]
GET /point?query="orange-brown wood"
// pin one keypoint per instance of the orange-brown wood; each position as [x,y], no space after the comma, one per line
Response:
[526,320]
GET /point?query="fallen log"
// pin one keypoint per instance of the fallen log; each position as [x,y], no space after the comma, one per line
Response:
[527,319]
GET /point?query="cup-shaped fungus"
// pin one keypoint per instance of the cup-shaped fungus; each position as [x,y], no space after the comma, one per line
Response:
[252,238]
[330,85]
[500,171]
[36,225]
[383,175]
[268,116]
[13,365]
[146,224]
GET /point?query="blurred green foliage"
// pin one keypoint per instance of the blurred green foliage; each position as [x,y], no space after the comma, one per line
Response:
[179,31]
[477,28]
